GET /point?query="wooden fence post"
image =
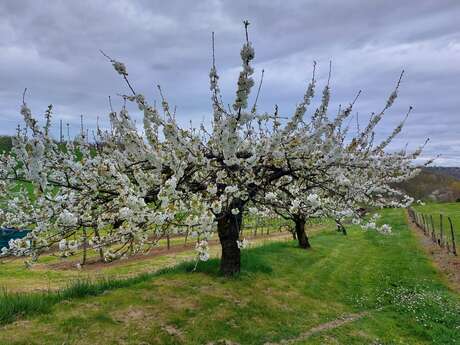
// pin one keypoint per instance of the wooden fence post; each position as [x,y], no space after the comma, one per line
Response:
[424,223]
[427,226]
[85,246]
[186,237]
[441,234]
[433,230]
[454,247]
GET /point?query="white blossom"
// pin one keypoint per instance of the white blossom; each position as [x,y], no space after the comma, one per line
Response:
[67,218]
[242,244]
[63,244]
[202,249]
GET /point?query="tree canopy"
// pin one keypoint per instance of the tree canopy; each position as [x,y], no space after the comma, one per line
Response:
[123,191]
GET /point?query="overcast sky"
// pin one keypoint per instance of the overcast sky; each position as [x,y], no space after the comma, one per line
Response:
[52,48]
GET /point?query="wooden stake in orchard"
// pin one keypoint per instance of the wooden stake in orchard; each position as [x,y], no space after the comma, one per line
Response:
[454,247]
[441,239]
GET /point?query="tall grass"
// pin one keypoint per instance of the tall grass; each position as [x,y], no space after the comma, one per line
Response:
[14,305]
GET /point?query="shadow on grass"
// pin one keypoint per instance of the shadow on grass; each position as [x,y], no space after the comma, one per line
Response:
[252,261]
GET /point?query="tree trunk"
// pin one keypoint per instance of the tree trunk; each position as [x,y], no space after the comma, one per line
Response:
[300,233]
[341,228]
[228,228]
[85,246]
[101,252]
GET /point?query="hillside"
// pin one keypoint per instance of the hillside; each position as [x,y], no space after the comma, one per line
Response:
[448,171]
[434,184]
[5,143]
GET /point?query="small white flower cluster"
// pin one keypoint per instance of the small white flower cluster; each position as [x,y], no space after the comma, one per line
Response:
[372,225]
[242,244]
[385,229]
[202,249]
[67,218]
[424,305]
[119,67]
[245,82]
[110,256]
[313,199]
[71,245]
[19,247]
[68,248]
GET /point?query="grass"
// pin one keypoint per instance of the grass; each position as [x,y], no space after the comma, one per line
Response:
[252,228]
[14,305]
[15,277]
[282,292]
[451,210]
[18,304]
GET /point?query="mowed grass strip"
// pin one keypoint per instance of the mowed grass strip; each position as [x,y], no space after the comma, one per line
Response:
[281,294]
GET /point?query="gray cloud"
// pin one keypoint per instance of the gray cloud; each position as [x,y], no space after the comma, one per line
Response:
[53,49]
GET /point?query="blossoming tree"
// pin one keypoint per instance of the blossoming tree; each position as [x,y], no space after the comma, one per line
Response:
[342,173]
[124,191]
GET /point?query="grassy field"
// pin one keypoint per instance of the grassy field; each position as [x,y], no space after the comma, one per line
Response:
[282,293]
[451,210]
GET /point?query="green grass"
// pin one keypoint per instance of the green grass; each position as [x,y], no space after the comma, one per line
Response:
[282,292]
[14,305]
[451,210]
[19,304]
[15,277]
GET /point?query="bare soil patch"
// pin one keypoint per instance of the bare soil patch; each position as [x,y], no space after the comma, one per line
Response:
[322,327]
[96,264]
